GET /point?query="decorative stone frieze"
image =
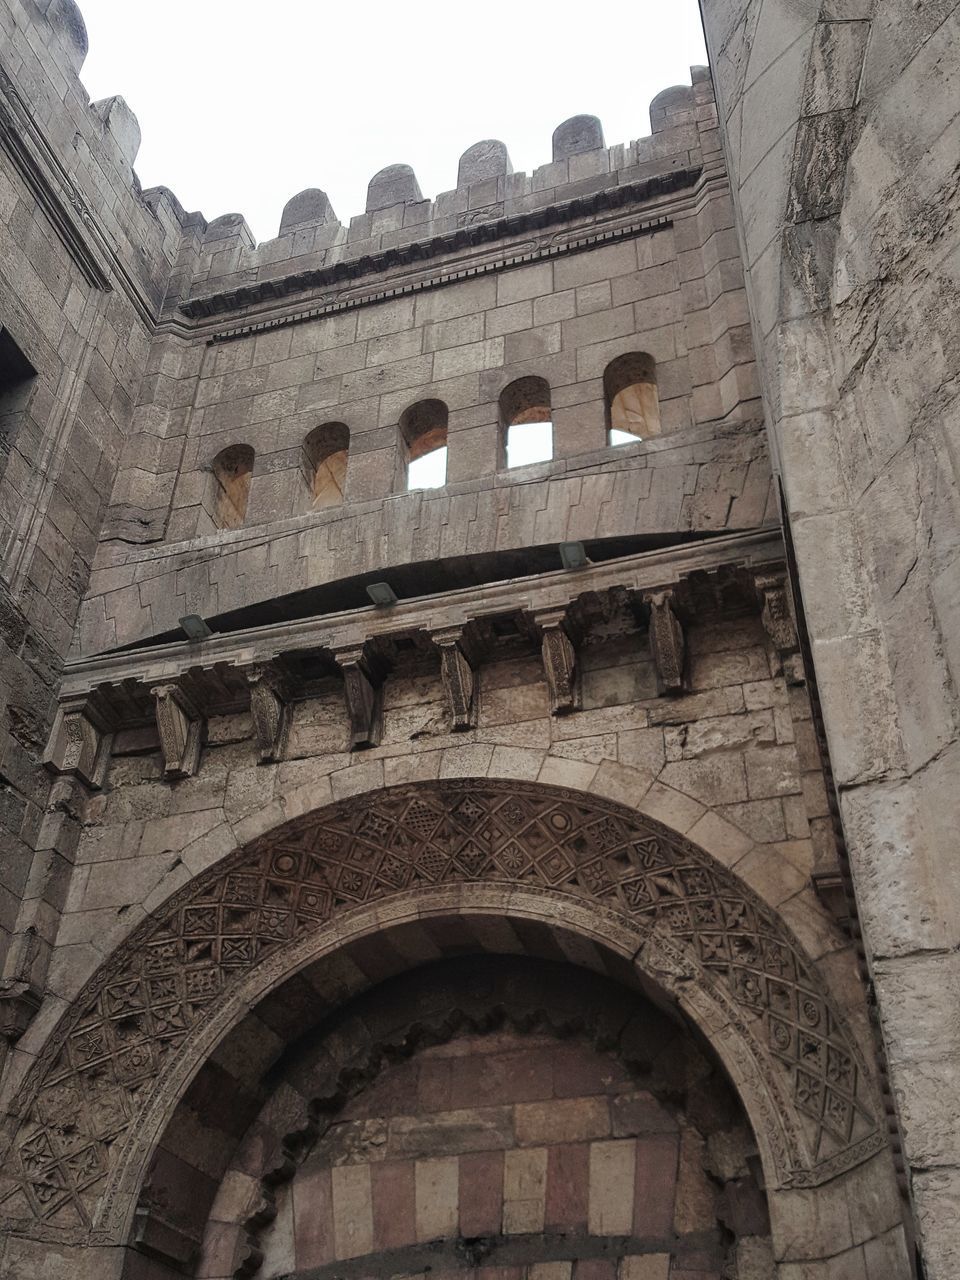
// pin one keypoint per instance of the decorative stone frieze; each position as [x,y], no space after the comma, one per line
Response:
[180,727]
[362,691]
[80,740]
[459,655]
[666,641]
[269,698]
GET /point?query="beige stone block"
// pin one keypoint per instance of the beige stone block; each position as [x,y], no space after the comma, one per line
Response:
[671,807]
[420,766]
[612,1175]
[551,1271]
[715,835]
[593,750]
[521,763]
[357,778]
[621,783]
[511,319]
[716,779]
[561,1120]
[437,1197]
[451,1132]
[352,1210]
[645,1266]
[524,282]
[470,761]
[567,773]
[524,1190]
[642,749]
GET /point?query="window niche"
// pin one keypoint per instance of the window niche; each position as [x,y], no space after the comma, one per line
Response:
[232,472]
[630,393]
[423,435]
[526,421]
[325,453]
[17,376]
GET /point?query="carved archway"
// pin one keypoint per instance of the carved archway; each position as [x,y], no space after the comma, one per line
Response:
[145,1023]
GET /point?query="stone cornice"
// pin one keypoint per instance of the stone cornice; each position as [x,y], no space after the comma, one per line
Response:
[222,655]
[476,235]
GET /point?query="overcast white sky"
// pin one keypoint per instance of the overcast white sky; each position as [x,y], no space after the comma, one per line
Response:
[244,103]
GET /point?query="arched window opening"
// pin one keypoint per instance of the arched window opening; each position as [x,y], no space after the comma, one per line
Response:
[630,391]
[423,430]
[527,421]
[232,473]
[325,464]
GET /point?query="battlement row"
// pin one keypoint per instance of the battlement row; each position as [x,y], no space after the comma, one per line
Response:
[154,247]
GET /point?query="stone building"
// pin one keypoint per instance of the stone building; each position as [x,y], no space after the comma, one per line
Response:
[478,743]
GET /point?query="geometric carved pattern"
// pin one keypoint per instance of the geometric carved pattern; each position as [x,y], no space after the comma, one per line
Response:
[105,1059]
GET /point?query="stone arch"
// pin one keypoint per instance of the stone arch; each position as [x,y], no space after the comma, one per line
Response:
[325,454]
[630,398]
[232,472]
[423,433]
[562,1025]
[526,422]
[591,868]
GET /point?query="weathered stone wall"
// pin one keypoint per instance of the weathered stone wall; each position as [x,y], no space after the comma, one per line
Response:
[556,297]
[195,851]
[83,272]
[842,129]
[732,764]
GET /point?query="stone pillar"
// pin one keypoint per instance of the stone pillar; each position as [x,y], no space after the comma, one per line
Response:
[841,135]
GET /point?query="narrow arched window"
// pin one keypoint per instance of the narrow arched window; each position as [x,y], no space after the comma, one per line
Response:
[325,464]
[423,433]
[232,472]
[526,421]
[630,391]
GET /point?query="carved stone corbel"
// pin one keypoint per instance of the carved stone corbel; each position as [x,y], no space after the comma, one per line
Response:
[667,642]
[776,613]
[80,741]
[559,655]
[180,726]
[19,1004]
[362,691]
[269,697]
[459,656]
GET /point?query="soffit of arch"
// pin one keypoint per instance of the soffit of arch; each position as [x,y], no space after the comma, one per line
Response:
[265,668]
[145,1022]
[434,1006]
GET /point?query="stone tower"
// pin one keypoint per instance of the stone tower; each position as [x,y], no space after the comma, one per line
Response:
[479,690]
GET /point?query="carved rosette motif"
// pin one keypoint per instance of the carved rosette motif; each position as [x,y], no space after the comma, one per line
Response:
[105,1063]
